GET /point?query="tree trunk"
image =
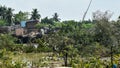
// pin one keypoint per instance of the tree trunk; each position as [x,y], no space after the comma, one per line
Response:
[65,59]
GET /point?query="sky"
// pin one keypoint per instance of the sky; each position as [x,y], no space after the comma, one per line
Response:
[66,9]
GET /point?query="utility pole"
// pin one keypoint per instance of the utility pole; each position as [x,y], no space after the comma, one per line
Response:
[86,10]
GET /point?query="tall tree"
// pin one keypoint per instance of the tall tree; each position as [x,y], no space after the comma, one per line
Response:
[3,10]
[9,16]
[35,15]
[102,16]
[46,20]
[21,16]
[55,17]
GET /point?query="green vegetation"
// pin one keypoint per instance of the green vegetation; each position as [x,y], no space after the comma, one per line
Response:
[35,15]
[21,16]
[83,44]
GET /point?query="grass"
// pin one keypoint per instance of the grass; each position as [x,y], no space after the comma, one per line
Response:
[29,56]
[37,59]
[46,60]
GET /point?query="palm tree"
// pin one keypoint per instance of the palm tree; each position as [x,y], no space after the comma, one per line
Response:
[9,16]
[55,17]
[35,15]
[3,10]
[21,16]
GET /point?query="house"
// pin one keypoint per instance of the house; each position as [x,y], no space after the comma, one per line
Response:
[31,26]
[19,31]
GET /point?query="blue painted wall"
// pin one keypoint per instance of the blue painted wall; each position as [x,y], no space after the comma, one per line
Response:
[23,23]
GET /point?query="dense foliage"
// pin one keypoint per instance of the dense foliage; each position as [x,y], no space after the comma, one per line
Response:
[67,39]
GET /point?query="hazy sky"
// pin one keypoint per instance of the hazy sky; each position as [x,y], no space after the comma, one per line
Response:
[67,9]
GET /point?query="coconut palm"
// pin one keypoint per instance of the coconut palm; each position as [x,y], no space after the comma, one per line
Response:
[35,15]
[21,16]
[55,17]
[9,16]
[3,11]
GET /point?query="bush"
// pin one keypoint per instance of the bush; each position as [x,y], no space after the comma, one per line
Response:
[29,49]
